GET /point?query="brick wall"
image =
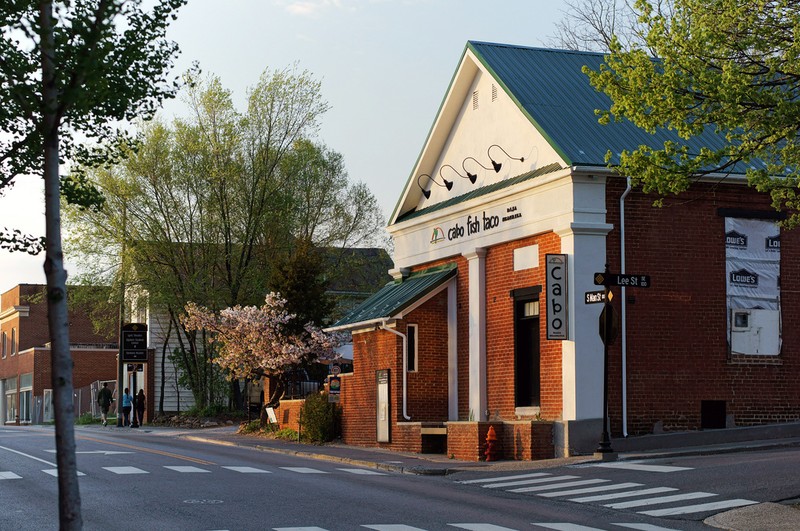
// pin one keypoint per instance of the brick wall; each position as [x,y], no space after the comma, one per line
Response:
[89,366]
[677,346]
[501,279]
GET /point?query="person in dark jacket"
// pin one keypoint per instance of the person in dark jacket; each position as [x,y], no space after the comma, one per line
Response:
[104,400]
[140,402]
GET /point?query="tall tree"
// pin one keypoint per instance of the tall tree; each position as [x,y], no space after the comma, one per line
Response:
[591,25]
[209,205]
[726,78]
[73,70]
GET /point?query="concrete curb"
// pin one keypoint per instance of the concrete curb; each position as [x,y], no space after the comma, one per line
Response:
[389,467]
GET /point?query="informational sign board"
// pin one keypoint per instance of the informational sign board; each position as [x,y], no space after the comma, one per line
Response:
[557,315]
[271,415]
[134,342]
[334,388]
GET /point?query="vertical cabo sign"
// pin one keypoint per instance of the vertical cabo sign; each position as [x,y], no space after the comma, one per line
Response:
[557,317]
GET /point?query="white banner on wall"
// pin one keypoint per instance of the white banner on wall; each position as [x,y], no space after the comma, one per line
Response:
[752,263]
[753,267]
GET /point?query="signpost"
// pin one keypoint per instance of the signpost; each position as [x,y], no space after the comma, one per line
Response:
[133,349]
[608,333]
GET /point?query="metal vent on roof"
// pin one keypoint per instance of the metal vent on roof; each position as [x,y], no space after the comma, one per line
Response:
[494,92]
[475,100]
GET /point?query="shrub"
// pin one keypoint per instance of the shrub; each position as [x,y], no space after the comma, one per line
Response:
[317,418]
[86,418]
[287,434]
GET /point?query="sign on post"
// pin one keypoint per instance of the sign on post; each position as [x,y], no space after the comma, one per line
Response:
[134,342]
[617,279]
[557,315]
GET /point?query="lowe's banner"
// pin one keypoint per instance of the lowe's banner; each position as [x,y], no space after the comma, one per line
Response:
[753,263]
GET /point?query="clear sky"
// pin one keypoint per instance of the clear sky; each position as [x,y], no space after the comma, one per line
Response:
[384,65]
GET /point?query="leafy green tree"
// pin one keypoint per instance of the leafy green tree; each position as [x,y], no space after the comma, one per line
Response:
[70,72]
[725,78]
[205,208]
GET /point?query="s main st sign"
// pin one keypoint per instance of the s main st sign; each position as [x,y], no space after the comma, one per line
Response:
[556,292]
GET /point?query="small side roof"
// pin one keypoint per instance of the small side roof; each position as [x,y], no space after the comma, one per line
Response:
[395,297]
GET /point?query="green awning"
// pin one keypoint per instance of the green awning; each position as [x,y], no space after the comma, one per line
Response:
[395,297]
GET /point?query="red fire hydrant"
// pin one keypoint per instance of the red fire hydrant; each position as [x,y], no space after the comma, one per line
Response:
[491,445]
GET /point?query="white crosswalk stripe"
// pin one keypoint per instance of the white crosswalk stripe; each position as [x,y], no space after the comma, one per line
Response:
[481,527]
[188,469]
[587,490]
[634,465]
[9,475]
[125,470]
[565,526]
[505,478]
[54,472]
[362,471]
[504,484]
[393,527]
[603,490]
[659,500]
[560,485]
[247,470]
[646,527]
[302,470]
[629,494]
[699,508]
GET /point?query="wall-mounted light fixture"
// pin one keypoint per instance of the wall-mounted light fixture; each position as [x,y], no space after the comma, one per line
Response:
[471,176]
[498,165]
[427,193]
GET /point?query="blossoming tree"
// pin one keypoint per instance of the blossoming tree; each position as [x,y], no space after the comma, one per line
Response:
[256,342]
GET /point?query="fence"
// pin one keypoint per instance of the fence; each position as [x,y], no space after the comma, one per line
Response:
[84,400]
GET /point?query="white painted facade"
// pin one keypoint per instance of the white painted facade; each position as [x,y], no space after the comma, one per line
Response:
[569,202]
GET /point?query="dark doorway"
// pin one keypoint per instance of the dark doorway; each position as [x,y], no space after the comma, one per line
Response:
[526,350]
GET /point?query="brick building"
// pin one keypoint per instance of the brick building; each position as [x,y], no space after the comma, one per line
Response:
[507,216]
[25,376]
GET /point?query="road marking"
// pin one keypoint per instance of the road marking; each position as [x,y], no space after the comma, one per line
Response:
[188,469]
[362,471]
[646,527]
[713,506]
[482,527]
[54,472]
[247,470]
[28,456]
[527,482]
[105,452]
[565,526]
[125,470]
[623,465]
[299,529]
[660,499]
[587,490]
[501,478]
[9,475]
[148,450]
[559,485]
[393,527]
[302,470]
[617,495]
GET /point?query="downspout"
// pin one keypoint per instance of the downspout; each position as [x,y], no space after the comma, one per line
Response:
[623,307]
[405,363]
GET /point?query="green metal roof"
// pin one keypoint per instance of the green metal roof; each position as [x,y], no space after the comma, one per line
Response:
[396,296]
[483,190]
[550,88]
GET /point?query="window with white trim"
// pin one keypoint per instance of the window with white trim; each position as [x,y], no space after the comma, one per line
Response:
[411,343]
[13,341]
[3,344]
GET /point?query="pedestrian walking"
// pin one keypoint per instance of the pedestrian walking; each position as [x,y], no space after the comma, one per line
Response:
[127,403]
[104,400]
[140,402]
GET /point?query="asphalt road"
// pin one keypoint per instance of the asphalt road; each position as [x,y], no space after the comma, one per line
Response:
[138,480]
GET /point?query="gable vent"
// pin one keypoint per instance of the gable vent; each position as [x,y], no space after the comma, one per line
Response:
[494,92]
[475,100]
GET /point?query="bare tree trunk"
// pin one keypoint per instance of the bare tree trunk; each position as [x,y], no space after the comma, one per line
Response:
[69,498]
